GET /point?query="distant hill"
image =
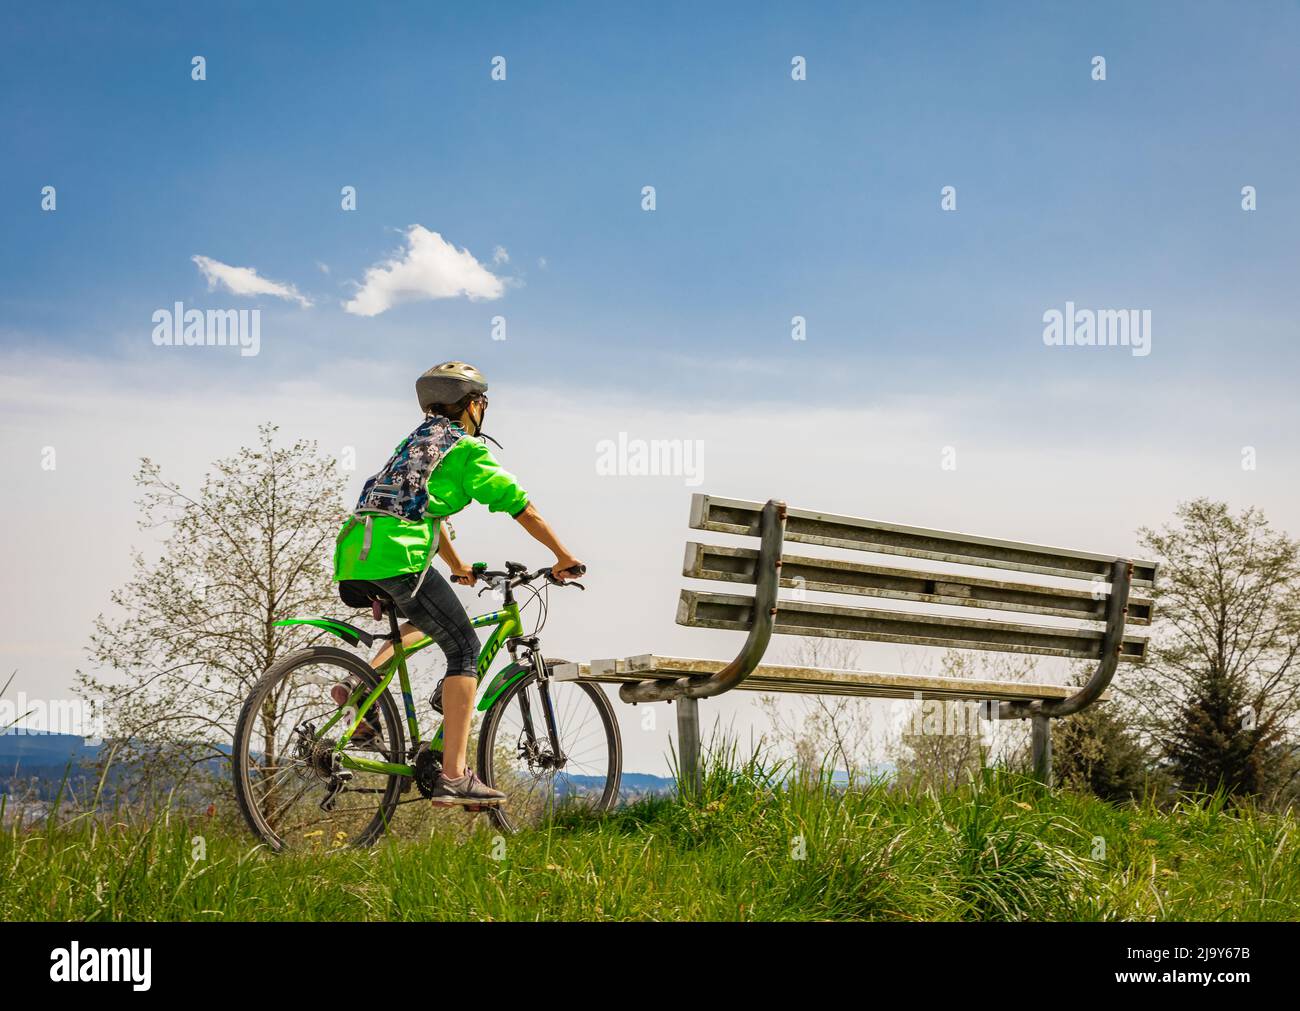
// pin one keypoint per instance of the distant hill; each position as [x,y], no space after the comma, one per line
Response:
[632,786]
[39,758]
[37,761]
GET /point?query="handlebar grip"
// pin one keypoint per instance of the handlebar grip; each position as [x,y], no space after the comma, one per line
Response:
[577,570]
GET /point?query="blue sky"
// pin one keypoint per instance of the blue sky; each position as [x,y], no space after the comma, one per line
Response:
[775,198]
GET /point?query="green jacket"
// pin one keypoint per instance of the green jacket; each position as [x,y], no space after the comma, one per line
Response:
[468,472]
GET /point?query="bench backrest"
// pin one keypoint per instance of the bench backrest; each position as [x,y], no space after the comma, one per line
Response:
[1088,599]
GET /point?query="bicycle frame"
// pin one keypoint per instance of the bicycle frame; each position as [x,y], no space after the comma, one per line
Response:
[507,625]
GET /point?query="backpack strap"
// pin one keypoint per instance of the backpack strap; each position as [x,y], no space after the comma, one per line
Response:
[353,520]
[433,550]
[365,541]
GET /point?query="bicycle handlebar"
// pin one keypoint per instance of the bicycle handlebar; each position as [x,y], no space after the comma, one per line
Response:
[518,575]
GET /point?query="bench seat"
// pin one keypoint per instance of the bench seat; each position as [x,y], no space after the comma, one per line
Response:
[816,680]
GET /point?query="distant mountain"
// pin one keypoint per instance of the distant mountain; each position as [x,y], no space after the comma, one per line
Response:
[43,746]
[631,786]
[36,762]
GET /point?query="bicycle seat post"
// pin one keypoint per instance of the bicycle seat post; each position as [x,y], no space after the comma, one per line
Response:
[393,628]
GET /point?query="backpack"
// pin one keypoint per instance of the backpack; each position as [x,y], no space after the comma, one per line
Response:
[401,488]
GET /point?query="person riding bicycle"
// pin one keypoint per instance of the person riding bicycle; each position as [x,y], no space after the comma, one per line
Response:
[380,550]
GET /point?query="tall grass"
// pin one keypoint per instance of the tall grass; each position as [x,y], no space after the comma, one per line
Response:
[756,843]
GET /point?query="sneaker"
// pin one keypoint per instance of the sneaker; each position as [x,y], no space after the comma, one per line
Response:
[435,699]
[368,733]
[467,791]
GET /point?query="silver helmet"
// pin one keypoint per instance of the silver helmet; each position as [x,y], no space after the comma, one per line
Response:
[448,383]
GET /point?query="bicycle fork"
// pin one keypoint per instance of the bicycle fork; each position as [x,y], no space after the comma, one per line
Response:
[558,758]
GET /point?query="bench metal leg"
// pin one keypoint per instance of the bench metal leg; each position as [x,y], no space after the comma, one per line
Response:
[688,743]
[1042,747]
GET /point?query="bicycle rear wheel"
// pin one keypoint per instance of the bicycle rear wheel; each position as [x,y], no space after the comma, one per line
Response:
[284,762]
[515,753]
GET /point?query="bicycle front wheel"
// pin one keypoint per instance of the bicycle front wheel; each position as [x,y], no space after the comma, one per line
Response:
[516,753]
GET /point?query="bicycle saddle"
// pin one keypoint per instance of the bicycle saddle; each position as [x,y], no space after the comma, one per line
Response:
[360,594]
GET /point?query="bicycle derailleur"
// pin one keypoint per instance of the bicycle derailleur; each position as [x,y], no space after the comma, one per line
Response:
[323,760]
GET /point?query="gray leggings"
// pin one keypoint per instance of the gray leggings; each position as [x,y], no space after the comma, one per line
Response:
[437,613]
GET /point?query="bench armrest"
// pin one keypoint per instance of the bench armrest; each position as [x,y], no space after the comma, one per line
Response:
[768,578]
[1116,610]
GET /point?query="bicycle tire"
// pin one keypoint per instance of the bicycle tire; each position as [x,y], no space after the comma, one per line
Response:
[348,663]
[491,724]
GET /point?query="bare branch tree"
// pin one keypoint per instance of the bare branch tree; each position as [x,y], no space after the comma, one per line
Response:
[1220,694]
[822,730]
[195,628]
[944,742]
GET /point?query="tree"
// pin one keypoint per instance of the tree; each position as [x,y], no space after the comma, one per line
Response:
[944,743]
[1098,751]
[196,627]
[823,729]
[1219,693]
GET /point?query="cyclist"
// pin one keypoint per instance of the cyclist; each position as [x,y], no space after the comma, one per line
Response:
[391,554]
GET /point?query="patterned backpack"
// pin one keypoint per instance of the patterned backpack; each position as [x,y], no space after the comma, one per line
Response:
[401,488]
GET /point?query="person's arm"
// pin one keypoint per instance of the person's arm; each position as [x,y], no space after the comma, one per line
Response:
[460,572]
[497,489]
[531,520]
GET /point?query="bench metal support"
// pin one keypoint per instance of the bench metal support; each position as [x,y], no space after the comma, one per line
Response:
[1042,712]
[688,745]
[771,533]
[1041,738]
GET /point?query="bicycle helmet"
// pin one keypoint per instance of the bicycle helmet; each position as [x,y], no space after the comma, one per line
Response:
[448,383]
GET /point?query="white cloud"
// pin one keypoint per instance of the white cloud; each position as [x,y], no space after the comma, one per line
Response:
[246,281]
[430,267]
[499,255]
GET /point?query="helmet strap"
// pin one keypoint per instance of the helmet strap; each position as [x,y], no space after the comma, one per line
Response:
[478,432]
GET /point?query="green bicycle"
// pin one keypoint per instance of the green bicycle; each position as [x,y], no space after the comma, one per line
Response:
[303,780]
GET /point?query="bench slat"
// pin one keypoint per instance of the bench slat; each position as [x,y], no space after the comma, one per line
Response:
[738,565]
[728,611]
[786,678]
[736,516]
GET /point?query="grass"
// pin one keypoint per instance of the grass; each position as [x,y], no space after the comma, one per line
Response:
[749,847]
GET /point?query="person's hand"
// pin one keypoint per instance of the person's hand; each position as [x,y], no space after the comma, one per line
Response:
[464,574]
[563,564]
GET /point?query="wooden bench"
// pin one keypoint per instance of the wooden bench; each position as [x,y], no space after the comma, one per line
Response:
[1091,615]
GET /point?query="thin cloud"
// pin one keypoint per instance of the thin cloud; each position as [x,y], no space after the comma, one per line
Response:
[499,255]
[430,267]
[246,281]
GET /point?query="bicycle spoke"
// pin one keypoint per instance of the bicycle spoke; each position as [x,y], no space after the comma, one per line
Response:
[287,748]
[520,764]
